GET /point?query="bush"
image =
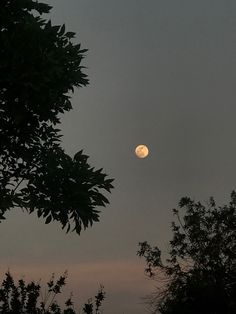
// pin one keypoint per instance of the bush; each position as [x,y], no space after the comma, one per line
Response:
[25,298]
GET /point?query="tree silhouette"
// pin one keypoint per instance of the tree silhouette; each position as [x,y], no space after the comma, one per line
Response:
[200,274]
[39,66]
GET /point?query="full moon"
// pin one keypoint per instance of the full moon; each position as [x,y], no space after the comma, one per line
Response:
[141,151]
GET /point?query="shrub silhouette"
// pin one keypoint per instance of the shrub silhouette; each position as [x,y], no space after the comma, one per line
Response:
[23,298]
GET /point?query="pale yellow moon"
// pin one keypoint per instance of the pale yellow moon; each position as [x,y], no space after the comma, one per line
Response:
[141,151]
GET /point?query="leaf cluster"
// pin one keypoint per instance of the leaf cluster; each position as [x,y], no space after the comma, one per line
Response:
[95,306]
[39,67]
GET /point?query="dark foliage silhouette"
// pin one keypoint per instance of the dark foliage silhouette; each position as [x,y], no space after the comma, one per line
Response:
[23,298]
[200,274]
[39,66]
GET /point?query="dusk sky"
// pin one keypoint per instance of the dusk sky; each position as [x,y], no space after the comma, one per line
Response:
[162,73]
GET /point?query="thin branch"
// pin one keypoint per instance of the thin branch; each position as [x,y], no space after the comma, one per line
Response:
[19,183]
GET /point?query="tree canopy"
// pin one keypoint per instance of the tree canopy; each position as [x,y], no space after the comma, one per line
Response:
[200,274]
[39,67]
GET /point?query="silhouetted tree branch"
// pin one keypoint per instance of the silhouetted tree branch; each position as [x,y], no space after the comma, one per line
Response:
[39,66]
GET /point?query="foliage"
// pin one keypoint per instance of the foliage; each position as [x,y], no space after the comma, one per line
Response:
[91,305]
[39,66]
[200,274]
[25,298]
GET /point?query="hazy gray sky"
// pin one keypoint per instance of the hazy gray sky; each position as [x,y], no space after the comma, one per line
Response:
[162,73]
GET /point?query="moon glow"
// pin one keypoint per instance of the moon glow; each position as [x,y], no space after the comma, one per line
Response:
[141,151]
